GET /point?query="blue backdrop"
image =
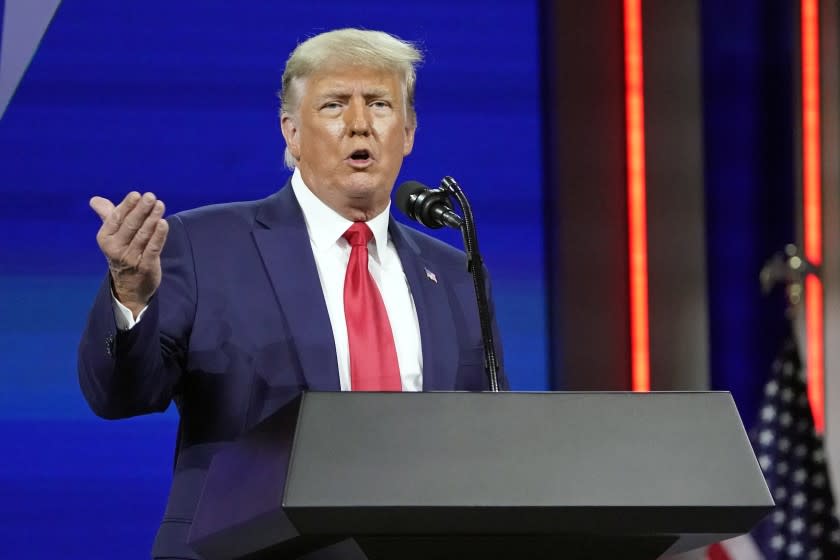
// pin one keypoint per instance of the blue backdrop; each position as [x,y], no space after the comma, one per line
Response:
[179,98]
[749,92]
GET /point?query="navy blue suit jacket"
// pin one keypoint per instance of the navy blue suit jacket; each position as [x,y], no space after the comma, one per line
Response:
[239,327]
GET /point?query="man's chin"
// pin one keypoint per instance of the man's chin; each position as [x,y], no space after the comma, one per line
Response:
[365,199]
[363,186]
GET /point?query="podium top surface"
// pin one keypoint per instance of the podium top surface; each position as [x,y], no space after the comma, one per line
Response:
[576,449]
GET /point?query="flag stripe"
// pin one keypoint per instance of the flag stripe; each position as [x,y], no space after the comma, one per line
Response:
[741,548]
[717,552]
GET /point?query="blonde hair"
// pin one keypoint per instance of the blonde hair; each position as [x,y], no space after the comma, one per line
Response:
[350,47]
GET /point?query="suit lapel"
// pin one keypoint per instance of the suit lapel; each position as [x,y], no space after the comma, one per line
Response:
[431,300]
[283,243]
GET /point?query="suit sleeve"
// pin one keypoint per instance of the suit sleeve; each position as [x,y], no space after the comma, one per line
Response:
[128,373]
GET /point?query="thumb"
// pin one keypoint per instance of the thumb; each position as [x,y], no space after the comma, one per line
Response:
[102,206]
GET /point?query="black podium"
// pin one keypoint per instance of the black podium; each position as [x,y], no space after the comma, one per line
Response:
[484,475]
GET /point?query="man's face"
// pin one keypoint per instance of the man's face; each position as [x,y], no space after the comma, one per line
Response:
[349,135]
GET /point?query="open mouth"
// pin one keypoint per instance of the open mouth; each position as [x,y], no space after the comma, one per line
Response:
[360,156]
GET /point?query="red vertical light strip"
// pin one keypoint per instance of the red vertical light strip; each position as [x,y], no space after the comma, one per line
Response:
[636,195]
[815,357]
[812,206]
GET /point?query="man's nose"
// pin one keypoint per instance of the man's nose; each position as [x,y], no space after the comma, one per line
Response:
[358,118]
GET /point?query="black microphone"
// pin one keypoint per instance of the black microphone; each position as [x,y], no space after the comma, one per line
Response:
[430,207]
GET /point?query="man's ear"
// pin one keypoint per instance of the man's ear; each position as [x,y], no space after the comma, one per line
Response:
[290,133]
[408,142]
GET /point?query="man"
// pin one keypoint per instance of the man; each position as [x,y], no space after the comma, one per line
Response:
[231,310]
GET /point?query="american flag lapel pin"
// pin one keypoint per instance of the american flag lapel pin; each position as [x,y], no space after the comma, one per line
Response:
[430,275]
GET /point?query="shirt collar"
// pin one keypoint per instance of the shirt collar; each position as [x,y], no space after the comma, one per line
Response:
[325,226]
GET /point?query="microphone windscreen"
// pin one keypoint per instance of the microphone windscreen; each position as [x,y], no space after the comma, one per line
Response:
[404,194]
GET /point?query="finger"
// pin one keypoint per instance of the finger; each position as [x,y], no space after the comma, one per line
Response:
[141,238]
[114,219]
[134,218]
[102,206]
[156,242]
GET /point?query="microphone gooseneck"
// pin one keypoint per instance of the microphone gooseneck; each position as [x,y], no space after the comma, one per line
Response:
[475,265]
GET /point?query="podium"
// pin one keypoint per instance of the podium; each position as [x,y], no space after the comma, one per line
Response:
[483,475]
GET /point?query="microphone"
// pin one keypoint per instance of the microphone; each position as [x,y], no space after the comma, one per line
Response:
[430,207]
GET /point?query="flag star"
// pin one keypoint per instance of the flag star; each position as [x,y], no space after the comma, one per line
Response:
[765,462]
[795,549]
[777,368]
[765,437]
[768,413]
[792,458]
[816,530]
[777,542]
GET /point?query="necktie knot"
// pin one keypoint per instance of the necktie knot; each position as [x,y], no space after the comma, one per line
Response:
[358,234]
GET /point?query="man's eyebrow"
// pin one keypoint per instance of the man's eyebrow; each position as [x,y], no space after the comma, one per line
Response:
[377,92]
[343,93]
[335,93]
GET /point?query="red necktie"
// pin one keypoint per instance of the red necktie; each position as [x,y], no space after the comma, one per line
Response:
[373,356]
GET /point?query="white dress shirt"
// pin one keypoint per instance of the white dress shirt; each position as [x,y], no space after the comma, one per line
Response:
[332,253]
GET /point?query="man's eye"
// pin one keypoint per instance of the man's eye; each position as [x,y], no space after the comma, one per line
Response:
[331,105]
[380,104]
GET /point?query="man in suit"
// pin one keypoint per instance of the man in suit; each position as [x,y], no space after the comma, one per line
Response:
[232,310]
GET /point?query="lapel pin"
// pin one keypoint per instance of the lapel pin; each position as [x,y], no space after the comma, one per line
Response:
[430,275]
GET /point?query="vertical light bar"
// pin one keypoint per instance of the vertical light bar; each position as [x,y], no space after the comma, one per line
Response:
[812,206]
[815,352]
[636,195]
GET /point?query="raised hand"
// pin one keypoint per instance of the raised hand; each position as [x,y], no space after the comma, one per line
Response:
[131,238]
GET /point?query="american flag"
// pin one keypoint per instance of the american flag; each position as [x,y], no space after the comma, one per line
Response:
[792,458]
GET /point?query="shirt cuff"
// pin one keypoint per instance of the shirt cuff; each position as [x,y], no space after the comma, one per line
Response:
[123,316]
